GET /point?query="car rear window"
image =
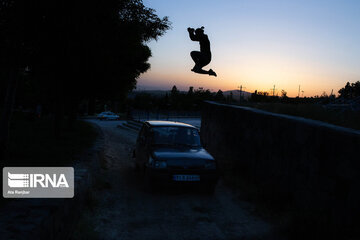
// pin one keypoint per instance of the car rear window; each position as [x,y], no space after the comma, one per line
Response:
[176,136]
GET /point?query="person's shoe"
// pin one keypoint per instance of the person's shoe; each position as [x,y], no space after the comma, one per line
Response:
[212,73]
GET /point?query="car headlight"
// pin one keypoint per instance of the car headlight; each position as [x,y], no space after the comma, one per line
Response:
[160,164]
[157,164]
[210,165]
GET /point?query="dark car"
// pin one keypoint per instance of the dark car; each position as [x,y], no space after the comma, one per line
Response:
[171,152]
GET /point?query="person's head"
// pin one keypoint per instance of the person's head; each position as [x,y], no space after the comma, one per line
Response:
[199,31]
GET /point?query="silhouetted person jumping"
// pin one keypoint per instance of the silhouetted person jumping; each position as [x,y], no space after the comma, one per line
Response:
[203,57]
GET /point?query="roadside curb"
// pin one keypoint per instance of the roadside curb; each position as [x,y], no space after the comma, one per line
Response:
[53,219]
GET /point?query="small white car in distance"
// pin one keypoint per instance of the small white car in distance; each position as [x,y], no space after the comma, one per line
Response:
[108,116]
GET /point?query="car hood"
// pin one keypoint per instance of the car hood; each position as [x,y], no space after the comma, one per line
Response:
[190,157]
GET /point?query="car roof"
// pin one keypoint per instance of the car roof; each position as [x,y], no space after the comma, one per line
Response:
[168,124]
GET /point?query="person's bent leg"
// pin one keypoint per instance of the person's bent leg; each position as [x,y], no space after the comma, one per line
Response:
[195,55]
[201,60]
[196,68]
[202,71]
[199,70]
[198,59]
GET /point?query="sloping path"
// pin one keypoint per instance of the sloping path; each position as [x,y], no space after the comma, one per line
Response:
[123,209]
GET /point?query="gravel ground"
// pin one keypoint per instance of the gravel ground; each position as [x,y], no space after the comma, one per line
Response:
[122,208]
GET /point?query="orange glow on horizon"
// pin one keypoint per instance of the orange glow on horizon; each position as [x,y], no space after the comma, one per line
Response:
[253,71]
[260,76]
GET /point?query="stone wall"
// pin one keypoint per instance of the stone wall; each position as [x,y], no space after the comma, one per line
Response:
[314,164]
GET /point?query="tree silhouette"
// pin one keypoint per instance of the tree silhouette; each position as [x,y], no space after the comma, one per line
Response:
[219,96]
[350,90]
[174,91]
[73,50]
[191,91]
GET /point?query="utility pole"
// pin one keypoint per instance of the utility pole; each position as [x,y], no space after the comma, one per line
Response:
[299,92]
[240,93]
[302,91]
[273,90]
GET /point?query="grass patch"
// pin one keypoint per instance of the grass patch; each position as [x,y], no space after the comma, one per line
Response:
[33,143]
[345,118]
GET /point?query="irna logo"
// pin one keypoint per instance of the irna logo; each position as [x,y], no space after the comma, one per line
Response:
[37,180]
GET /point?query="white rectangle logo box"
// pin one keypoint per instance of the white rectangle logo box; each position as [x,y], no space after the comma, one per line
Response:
[38,182]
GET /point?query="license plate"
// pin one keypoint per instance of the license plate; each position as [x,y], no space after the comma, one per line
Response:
[187,178]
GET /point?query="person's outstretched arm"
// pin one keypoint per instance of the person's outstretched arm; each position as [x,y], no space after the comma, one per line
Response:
[192,35]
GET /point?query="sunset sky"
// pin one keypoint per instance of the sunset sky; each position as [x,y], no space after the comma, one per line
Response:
[259,44]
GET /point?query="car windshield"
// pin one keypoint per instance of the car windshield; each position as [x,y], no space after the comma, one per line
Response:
[176,136]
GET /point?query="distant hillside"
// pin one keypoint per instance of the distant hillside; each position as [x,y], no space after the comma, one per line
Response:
[161,93]
[236,94]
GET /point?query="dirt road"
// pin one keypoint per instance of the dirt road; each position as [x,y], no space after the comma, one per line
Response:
[123,209]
